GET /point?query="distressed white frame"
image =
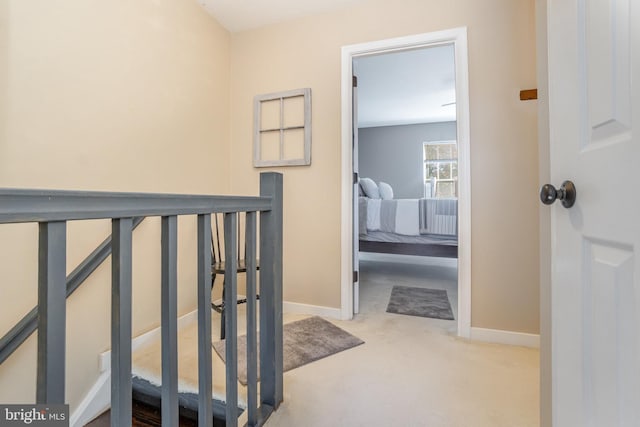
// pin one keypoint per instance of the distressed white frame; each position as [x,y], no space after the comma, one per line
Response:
[258,130]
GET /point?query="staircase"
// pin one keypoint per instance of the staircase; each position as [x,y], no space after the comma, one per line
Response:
[144,415]
[52,209]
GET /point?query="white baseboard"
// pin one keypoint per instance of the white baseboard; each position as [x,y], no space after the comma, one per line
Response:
[97,400]
[505,337]
[316,310]
[147,337]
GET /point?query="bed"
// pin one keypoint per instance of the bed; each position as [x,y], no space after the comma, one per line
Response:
[424,227]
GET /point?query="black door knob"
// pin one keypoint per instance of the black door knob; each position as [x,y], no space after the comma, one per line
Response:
[566,193]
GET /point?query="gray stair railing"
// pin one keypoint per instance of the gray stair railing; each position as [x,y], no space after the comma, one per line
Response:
[52,209]
[29,323]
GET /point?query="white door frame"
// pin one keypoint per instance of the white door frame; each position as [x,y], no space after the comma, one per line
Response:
[457,37]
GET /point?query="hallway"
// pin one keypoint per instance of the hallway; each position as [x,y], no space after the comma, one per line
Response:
[412,371]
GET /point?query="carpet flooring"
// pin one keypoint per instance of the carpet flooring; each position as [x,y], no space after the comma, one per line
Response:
[412,371]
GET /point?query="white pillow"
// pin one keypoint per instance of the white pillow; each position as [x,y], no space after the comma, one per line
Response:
[370,188]
[386,192]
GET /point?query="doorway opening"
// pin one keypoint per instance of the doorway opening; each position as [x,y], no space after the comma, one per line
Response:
[438,183]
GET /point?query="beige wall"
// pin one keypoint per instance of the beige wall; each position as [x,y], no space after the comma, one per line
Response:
[306,53]
[120,95]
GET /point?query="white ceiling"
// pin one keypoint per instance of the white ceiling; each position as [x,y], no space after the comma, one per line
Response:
[395,88]
[242,15]
[406,87]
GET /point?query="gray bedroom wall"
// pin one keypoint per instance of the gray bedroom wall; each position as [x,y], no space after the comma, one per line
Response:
[393,154]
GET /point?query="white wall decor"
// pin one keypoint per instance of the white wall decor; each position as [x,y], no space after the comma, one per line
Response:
[282,128]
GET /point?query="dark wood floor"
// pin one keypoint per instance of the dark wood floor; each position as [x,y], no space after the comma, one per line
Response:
[143,416]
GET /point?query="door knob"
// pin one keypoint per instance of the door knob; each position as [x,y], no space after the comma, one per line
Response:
[566,193]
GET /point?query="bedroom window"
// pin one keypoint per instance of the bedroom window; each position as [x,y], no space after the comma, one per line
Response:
[440,169]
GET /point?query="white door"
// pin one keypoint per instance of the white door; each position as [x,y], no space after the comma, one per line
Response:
[594,103]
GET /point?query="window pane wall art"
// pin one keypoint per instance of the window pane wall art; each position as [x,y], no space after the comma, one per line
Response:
[282,128]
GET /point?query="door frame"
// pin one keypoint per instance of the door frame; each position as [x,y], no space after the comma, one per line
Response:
[457,37]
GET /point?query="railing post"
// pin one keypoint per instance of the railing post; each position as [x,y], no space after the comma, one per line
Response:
[231,316]
[271,291]
[121,260]
[169,321]
[205,412]
[252,327]
[52,266]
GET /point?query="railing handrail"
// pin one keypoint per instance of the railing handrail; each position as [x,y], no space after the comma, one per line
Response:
[26,205]
[22,330]
[52,209]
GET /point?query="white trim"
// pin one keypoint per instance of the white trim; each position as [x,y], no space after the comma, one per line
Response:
[457,36]
[464,183]
[97,400]
[147,337]
[505,337]
[315,310]
[346,228]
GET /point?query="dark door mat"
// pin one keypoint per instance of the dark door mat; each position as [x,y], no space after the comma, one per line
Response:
[421,302]
[304,341]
